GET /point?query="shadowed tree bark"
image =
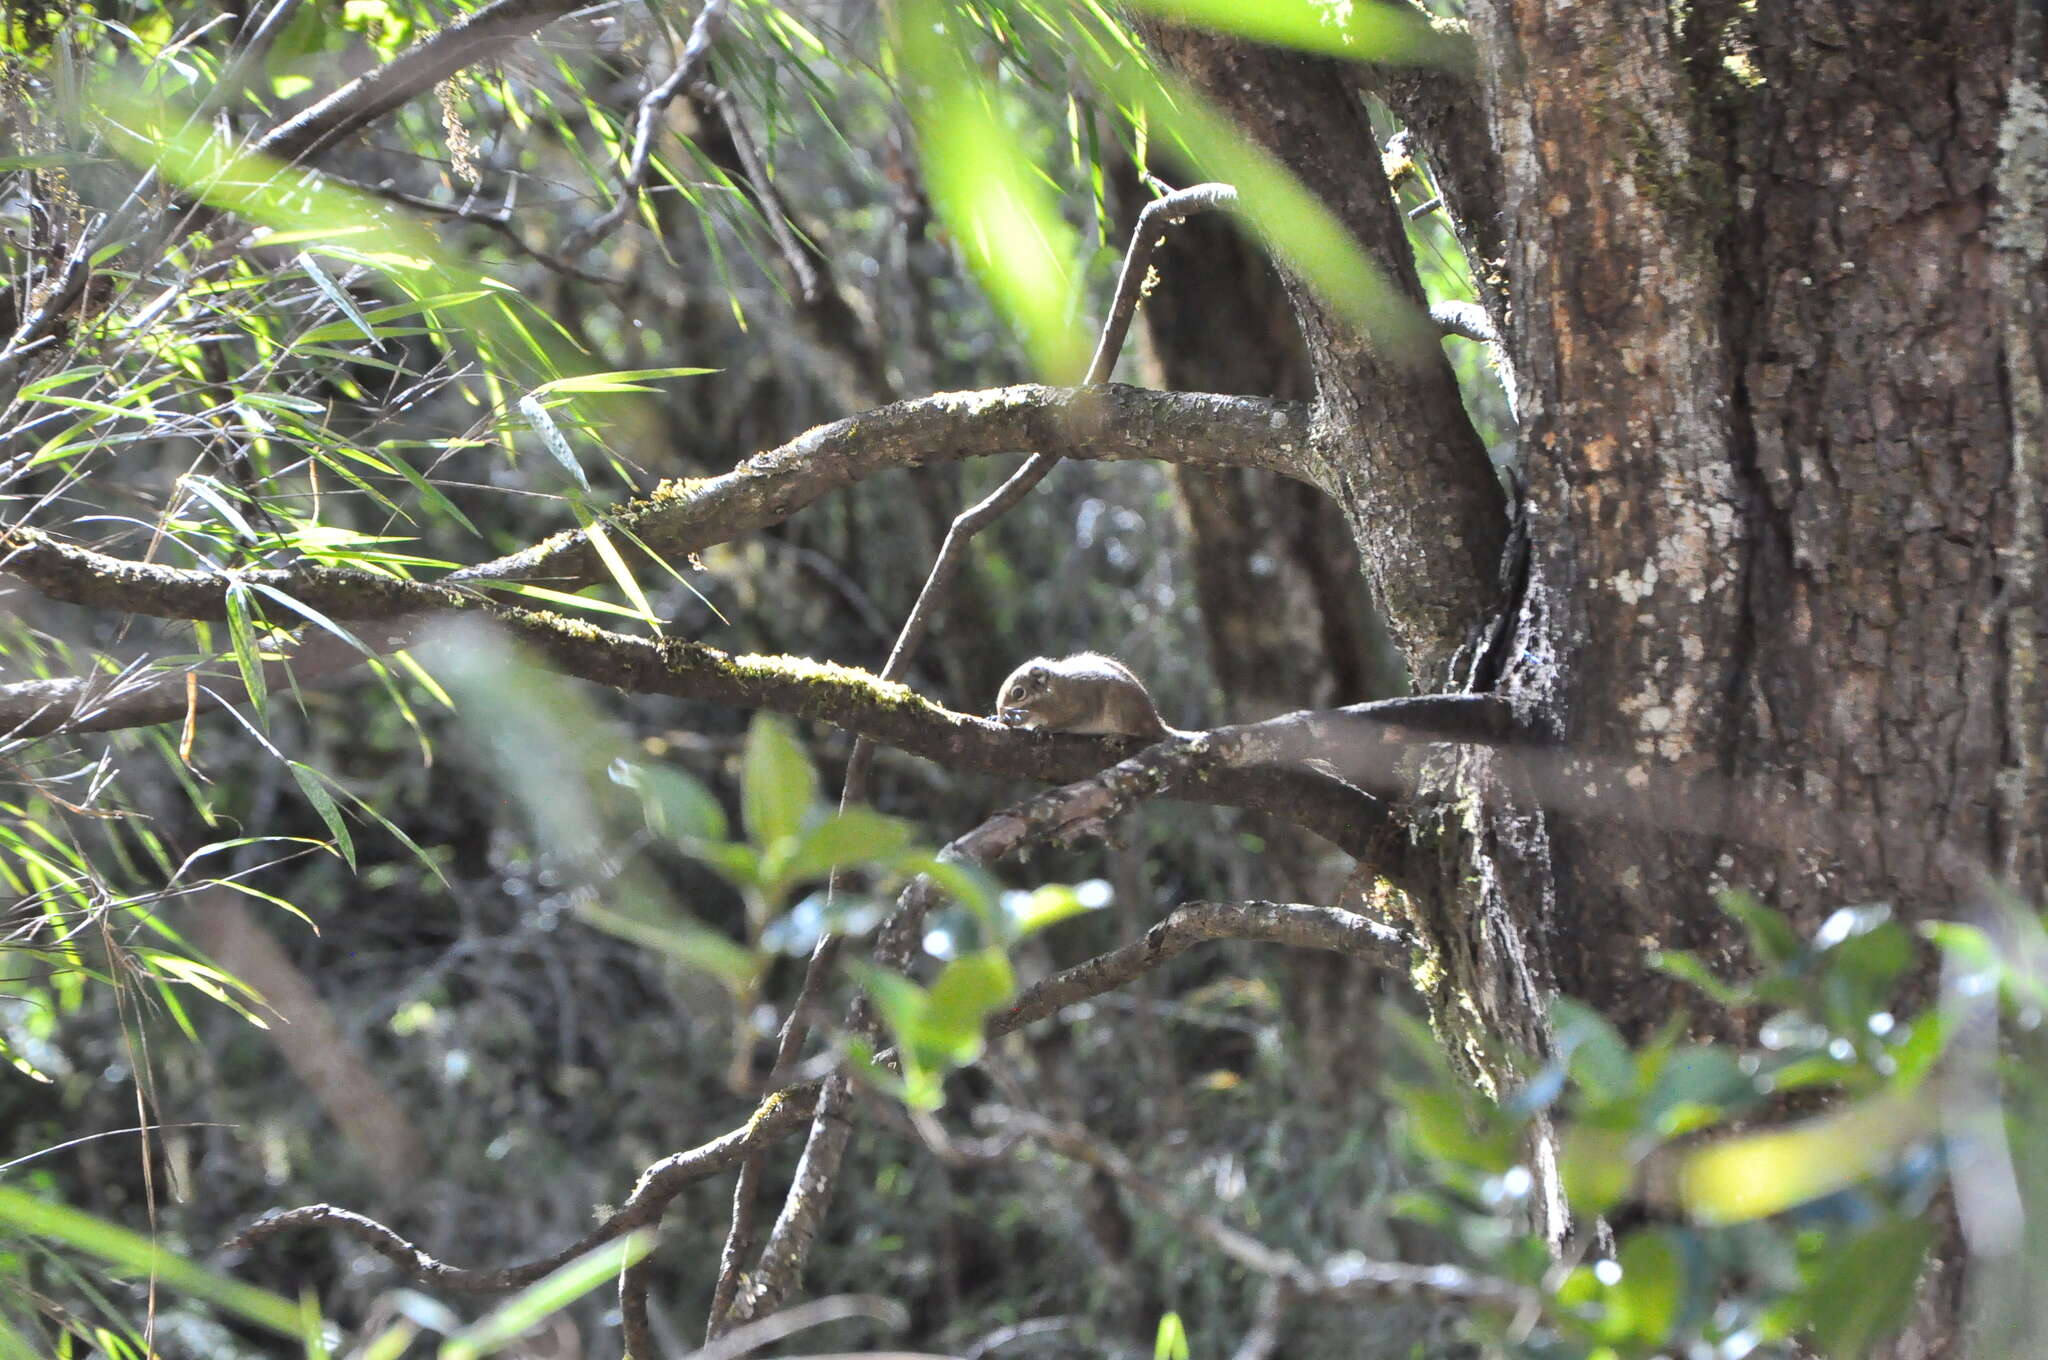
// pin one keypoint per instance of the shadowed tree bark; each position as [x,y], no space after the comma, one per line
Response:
[1775,280]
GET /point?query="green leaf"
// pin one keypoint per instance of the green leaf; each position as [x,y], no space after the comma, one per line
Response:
[1686,966]
[622,380]
[1046,905]
[564,599]
[1596,1166]
[336,295]
[525,1310]
[1646,1301]
[1595,1053]
[136,1255]
[858,835]
[621,574]
[1171,1341]
[968,884]
[312,783]
[1865,1288]
[1694,1084]
[967,991]
[551,436]
[315,616]
[1770,934]
[940,1029]
[682,939]
[1455,1128]
[1759,1174]
[1290,219]
[998,205]
[1861,972]
[242,638]
[676,804]
[778,787]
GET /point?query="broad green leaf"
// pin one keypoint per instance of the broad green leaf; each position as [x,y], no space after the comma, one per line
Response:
[1646,1301]
[966,992]
[1758,1174]
[777,784]
[676,804]
[1686,966]
[1597,1167]
[682,939]
[1770,934]
[858,835]
[968,884]
[1171,1340]
[1595,1054]
[1693,1085]
[1866,1288]
[1046,905]
[1455,1128]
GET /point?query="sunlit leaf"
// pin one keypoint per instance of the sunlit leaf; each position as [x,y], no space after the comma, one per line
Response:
[521,1313]
[135,1255]
[1004,216]
[676,804]
[242,640]
[777,784]
[1757,1174]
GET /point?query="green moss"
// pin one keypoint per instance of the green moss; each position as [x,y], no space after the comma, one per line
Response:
[804,670]
[675,489]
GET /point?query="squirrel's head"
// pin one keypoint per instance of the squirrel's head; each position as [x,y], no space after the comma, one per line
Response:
[1025,687]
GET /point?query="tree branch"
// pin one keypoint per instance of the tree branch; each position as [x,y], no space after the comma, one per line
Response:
[1107,422]
[1145,238]
[470,39]
[786,1110]
[696,51]
[1346,1278]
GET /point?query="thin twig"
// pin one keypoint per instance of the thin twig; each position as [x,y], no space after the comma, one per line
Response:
[499,221]
[794,255]
[1346,1278]
[1145,238]
[786,1110]
[703,33]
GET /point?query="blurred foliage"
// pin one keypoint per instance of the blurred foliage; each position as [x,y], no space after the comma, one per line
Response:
[1720,1215]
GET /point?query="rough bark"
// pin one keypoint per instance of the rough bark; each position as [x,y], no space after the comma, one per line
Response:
[1777,291]
[1412,478]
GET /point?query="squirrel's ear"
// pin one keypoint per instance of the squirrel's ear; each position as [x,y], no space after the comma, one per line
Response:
[1036,673]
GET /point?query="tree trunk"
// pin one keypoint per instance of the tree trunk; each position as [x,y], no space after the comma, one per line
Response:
[1776,287]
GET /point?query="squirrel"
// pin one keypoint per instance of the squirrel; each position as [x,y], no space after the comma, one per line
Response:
[1086,692]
